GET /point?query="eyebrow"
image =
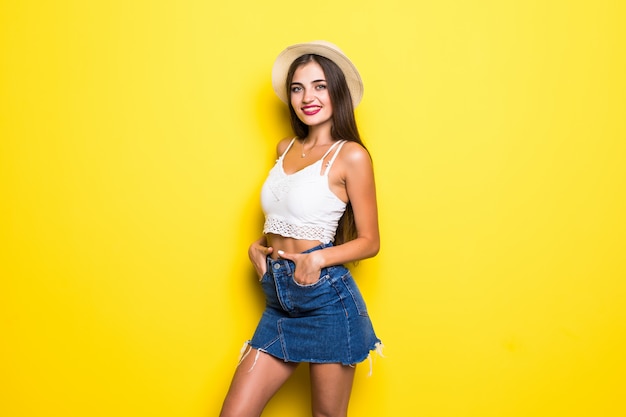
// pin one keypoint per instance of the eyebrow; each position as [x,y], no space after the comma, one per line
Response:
[312,82]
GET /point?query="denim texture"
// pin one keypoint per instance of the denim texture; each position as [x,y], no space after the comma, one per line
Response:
[324,322]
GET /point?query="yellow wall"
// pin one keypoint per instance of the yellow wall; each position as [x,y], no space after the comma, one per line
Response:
[134,136]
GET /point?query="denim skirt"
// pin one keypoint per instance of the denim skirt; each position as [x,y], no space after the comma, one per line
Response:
[324,322]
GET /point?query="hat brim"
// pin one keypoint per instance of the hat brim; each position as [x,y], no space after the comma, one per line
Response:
[322,48]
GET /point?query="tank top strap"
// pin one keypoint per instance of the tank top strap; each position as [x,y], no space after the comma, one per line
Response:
[339,145]
[333,146]
[288,147]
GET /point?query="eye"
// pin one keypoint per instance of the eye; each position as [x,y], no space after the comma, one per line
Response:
[296,89]
[320,87]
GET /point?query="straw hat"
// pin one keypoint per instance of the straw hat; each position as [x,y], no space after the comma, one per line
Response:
[322,48]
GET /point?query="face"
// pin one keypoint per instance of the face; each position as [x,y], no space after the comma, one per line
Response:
[309,95]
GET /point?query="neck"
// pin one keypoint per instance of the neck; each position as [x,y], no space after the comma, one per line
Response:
[318,135]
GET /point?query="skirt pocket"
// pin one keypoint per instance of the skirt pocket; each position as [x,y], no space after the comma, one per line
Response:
[311,297]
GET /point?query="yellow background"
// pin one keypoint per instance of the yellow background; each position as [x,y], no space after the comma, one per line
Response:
[134,137]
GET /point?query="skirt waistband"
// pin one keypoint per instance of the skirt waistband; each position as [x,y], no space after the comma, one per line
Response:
[271,263]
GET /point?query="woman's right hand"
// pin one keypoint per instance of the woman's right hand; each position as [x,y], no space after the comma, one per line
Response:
[257,253]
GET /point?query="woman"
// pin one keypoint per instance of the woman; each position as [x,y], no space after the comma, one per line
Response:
[320,211]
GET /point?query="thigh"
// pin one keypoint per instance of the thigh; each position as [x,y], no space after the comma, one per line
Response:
[331,385]
[256,380]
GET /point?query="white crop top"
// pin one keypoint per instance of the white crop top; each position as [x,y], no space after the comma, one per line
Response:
[301,205]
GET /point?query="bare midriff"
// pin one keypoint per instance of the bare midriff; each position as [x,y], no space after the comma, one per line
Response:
[288,244]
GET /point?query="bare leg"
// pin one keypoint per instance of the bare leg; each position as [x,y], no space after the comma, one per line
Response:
[331,385]
[250,390]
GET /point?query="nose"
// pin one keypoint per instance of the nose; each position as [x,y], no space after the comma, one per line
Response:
[308,96]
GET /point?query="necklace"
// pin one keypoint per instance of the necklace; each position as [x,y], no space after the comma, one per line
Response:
[303,154]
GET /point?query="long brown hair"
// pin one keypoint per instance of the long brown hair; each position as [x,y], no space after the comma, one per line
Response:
[343,127]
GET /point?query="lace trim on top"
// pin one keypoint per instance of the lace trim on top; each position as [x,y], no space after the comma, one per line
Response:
[282,228]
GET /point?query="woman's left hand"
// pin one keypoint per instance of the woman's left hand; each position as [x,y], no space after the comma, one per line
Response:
[308,266]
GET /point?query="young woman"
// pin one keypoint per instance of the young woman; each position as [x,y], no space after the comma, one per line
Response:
[320,211]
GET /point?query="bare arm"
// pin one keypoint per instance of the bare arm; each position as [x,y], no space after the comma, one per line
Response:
[361,190]
[258,250]
[358,176]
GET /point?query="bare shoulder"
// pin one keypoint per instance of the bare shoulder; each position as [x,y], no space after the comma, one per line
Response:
[353,153]
[282,145]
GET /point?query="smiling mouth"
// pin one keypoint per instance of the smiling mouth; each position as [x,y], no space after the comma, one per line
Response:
[311,110]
